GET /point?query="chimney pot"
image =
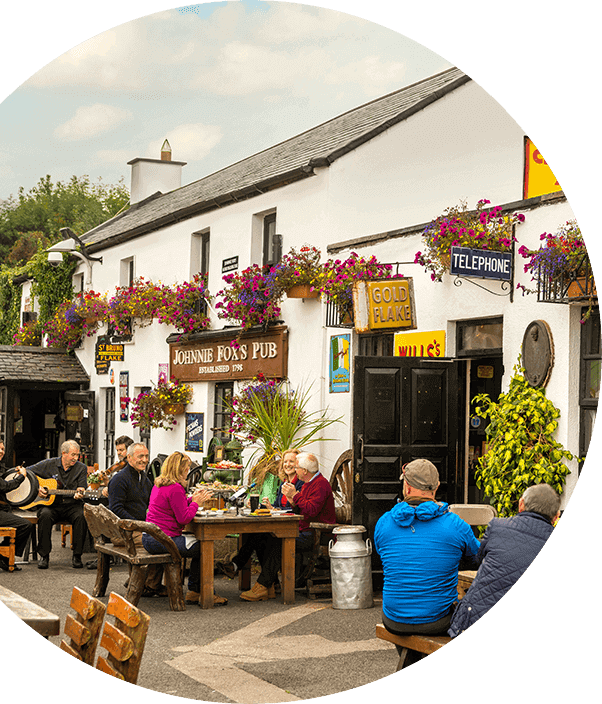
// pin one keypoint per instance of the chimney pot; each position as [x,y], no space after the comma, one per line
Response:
[165,151]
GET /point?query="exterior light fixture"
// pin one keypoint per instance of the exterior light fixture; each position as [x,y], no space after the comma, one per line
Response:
[72,245]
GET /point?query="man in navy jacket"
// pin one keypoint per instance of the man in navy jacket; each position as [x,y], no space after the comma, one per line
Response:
[508,547]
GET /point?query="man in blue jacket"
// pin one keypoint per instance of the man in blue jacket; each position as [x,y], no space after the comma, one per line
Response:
[508,547]
[421,543]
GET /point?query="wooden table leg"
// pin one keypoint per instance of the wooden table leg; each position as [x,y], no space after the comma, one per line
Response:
[206,574]
[288,570]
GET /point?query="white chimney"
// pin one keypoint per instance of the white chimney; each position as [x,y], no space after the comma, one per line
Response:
[152,175]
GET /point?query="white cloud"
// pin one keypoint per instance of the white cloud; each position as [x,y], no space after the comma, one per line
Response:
[91,120]
[371,72]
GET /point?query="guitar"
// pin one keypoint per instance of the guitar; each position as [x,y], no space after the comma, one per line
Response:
[53,490]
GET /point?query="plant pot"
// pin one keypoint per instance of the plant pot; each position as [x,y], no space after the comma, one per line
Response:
[175,409]
[302,291]
[578,288]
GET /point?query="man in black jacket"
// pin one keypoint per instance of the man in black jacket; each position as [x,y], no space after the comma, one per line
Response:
[130,488]
[8,519]
[129,494]
[70,474]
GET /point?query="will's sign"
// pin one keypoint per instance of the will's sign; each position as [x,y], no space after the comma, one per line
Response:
[481,263]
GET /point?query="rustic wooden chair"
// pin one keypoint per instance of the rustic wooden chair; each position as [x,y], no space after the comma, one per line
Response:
[83,630]
[474,514]
[8,550]
[124,640]
[341,482]
[103,523]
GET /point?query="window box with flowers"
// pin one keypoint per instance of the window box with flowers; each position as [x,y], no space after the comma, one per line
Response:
[483,228]
[158,407]
[137,304]
[65,329]
[28,335]
[298,273]
[337,279]
[183,306]
[561,268]
[251,298]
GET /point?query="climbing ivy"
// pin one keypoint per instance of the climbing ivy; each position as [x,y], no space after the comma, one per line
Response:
[521,447]
[51,285]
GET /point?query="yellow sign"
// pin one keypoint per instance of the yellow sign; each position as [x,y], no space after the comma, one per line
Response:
[539,178]
[390,304]
[419,344]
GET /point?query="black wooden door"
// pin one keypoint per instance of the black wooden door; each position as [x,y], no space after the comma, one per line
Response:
[403,409]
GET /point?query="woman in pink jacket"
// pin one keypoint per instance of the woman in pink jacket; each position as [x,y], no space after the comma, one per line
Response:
[170,509]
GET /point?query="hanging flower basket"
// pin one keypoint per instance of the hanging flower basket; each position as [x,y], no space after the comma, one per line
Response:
[561,268]
[158,407]
[459,227]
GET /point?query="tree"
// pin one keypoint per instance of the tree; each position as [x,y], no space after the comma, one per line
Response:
[32,222]
[40,213]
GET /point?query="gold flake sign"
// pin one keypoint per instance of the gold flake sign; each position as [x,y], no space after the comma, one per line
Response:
[386,304]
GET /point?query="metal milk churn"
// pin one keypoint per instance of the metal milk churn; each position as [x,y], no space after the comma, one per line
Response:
[350,568]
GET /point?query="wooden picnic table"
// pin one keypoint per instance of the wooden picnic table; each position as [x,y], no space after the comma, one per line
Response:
[42,621]
[210,528]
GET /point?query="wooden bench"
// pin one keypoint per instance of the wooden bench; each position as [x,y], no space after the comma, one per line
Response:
[103,523]
[411,648]
[36,617]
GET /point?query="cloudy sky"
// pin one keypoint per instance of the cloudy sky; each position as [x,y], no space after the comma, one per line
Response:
[220,81]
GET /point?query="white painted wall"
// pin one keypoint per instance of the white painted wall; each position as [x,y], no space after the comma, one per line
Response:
[462,147]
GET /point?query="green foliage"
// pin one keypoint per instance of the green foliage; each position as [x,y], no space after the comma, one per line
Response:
[10,303]
[521,447]
[30,223]
[274,417]
[47,207]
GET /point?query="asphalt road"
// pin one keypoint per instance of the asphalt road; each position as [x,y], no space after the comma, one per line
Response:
[243,652]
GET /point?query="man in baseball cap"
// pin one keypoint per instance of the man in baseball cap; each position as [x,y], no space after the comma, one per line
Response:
[421,475]
[421,543]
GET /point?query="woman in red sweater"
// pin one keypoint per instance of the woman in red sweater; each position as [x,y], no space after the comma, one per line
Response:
[170,509]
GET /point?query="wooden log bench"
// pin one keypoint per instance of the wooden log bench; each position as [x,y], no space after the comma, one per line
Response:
[411,648]
[104,524]
[35,616]
[83,630]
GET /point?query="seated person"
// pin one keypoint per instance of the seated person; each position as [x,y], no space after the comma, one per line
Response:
[256,542]
[170,509]
[421,543]
[508,547]
[315,502]
[71,474]
[9,519]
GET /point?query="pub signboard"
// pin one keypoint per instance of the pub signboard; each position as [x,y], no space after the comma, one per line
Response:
[214,358]
[105,353]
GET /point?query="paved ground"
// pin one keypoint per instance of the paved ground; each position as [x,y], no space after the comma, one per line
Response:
[243,652]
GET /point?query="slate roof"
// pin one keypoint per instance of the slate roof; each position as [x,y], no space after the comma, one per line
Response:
[36,364]
[283,163]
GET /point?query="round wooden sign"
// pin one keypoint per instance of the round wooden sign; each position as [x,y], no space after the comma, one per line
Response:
[538,353]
